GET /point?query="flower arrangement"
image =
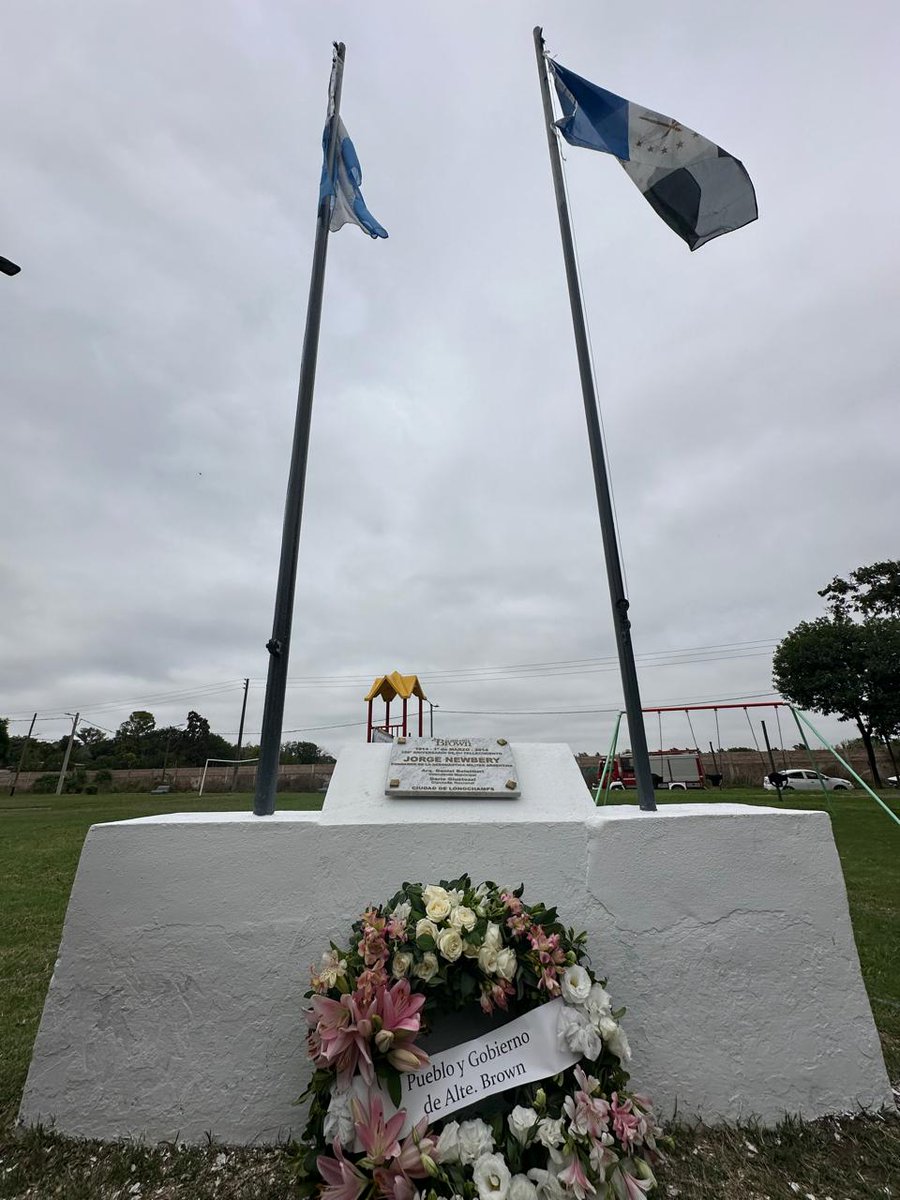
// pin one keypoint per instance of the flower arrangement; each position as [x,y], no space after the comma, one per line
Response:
[437,949]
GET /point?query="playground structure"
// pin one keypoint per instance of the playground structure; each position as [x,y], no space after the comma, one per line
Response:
[388,688]
[614,773]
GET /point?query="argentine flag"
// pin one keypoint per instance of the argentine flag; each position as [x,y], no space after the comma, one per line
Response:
[348,206]
[699,189]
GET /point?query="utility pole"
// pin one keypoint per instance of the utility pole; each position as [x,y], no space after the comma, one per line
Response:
[240,740]
[12,790]
[65,765]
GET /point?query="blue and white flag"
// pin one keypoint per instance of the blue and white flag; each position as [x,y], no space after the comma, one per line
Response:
[348,206]
[699,189]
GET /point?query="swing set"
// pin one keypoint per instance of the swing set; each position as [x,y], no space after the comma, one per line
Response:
[617,771]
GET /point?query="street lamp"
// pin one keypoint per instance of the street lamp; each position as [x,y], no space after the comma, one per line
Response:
[431,708]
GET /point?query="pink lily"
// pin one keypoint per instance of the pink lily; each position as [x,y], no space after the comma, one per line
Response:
[574,1179]
[343,1179]
[629,1187]
[345,1029]
[392,1184]
[379,1137]
[416,1148]
[626,1123]
[589,1115]
[407,1057]
[399,1008]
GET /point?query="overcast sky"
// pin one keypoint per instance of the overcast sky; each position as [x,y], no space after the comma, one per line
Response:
[160,165]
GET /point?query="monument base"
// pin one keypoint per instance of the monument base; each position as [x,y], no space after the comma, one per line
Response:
[176,1006]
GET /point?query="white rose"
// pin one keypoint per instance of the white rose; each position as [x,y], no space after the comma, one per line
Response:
[426,927]
[402,911]
[506,963]
[339,1118]
[550,1132]
[491,1177]
[462,918]
[448,1143]
[401,963]
[576,1033]
[455,896]
[437,902]
[575,984]
[487,959]
[521,1120]
[521,1188]
[470,950]
[492,936]
[427,968]
[475,1139]
[450,944]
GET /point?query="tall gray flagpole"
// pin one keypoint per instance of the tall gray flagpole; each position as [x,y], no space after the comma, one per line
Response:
[280,641]
[601,479]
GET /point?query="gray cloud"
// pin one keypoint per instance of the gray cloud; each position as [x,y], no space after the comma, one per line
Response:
[160,172]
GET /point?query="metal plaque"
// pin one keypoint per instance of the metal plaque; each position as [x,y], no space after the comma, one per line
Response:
[452,769]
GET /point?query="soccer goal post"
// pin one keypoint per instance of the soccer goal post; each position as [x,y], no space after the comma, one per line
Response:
[223,762]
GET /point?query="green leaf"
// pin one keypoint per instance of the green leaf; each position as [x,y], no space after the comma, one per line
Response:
[395,1091]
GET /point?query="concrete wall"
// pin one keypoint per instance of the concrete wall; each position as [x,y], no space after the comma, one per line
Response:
[295,777]
[175,1009]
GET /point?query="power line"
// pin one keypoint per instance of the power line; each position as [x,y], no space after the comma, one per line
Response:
[554,668]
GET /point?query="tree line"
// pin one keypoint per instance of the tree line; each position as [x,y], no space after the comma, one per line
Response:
[140,743]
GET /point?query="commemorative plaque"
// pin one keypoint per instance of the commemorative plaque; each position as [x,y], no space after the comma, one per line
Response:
[452,769]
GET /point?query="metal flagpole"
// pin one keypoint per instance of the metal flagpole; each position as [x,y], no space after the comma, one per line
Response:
[601,480]
[280,641]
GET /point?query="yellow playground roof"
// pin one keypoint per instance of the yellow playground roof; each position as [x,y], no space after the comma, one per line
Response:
[395,684]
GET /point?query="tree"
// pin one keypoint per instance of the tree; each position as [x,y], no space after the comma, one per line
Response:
[92,741]
[303,752]
[132,736]
[198,742]
[847,664]
[872,591]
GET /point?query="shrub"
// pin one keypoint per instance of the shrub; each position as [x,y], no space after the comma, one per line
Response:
[45,784]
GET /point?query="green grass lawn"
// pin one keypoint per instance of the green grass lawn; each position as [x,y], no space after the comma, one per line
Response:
[40,843]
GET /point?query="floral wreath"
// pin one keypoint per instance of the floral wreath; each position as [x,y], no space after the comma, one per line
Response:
[437,949]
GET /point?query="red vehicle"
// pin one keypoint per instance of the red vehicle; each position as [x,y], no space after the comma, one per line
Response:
[676,770]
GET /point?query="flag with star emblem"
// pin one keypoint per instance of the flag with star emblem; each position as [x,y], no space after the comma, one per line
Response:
[700,190]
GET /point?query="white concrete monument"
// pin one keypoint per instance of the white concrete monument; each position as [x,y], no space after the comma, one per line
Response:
[176,1006]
